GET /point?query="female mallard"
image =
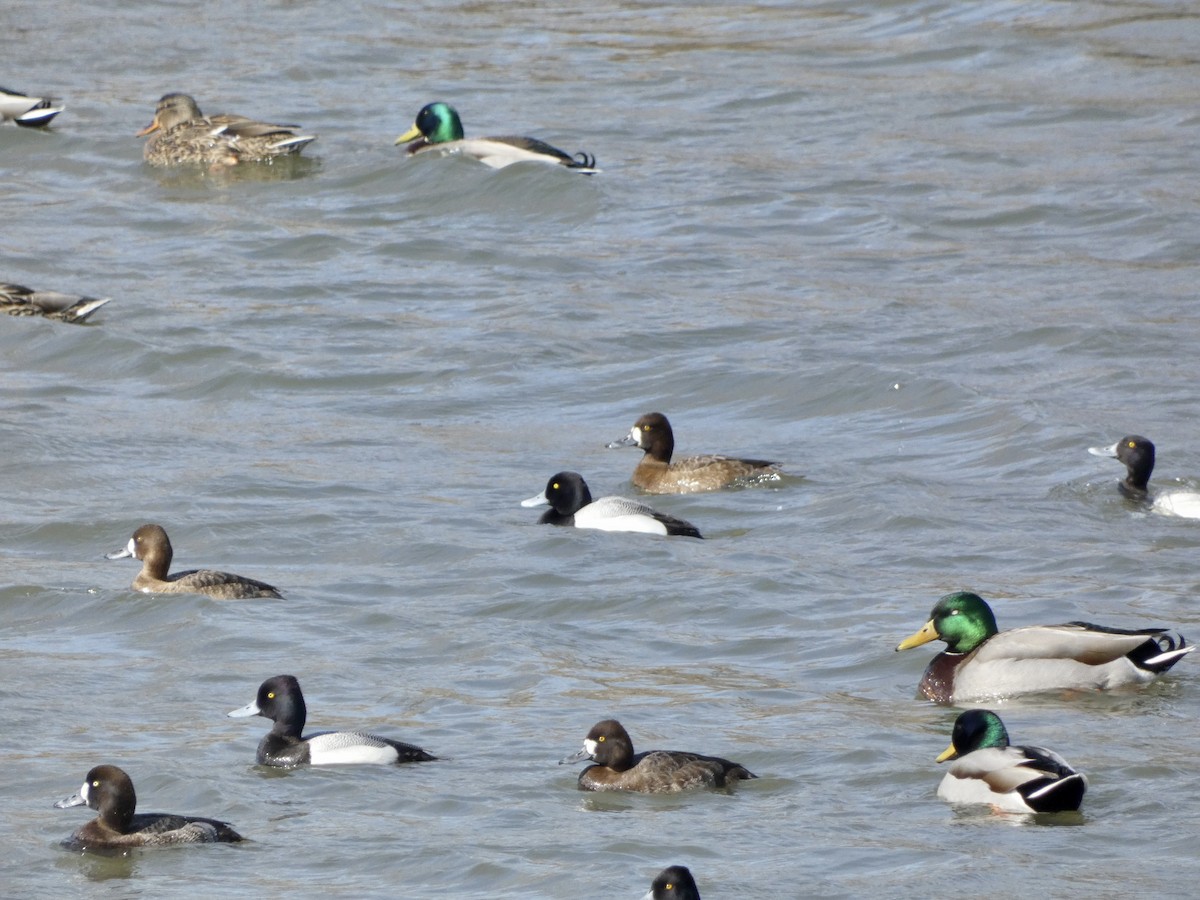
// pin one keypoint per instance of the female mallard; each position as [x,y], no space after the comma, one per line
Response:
[186,137]
[24,109]
[987,769]
[981,662]
[18,300]
[439,128]
[656,474]
[1137,453]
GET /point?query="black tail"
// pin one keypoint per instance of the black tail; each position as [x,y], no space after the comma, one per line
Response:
[1160,653]
[1055,794]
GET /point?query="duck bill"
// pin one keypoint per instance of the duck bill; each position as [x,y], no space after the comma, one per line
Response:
[628,441]
[581,754]
[68,802]
[411,135]
[539,500]
[924,636]
[153,126]
[948,753]
[242,712]
[1104,451]
[119,554]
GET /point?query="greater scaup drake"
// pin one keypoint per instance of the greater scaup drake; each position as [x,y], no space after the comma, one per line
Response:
[981,662]
[151,545]
[280,700]
[617,768]
[987,769]
[187,137]
[27,110]
[110,791]
[571,503]
[1137,453]
[439,128]
[673,883]
[18,300]
[656,474]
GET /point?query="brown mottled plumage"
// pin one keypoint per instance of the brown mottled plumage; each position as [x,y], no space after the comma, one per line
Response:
[18,300]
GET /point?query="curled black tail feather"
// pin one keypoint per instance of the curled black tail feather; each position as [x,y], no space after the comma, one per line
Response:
[1160,653]
[582,161]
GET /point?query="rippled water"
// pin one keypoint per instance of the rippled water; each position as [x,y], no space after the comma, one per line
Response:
[922,253]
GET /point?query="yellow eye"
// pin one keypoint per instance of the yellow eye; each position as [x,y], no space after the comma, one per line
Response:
[1131,445]
[271,695]
[670,887]
[555,485]
[96,783]
[600,740]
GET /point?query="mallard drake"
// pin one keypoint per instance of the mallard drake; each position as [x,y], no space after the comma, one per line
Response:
[1137,453]
[187,137]
[571,504]
[109,791]
[618,768]
[27,110]
[151,545]
[439,128]
[673,883]
[980,662]
[656,474]
[18,300]
[987,769]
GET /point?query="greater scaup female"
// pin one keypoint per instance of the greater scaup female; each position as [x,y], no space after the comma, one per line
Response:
[27,110]
[151,545]
[280,700]
[187,137]
[656,474]
[18,300]
[571,503]
[1137,453]
[439,128]
[987,769]
[981,662]
[652,772]
[110,791]
[673,883]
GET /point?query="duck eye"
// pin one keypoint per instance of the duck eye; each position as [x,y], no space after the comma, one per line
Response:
[670,886]
[1131,445]
[555,486]
[96,783]
[270,695]
[600,740]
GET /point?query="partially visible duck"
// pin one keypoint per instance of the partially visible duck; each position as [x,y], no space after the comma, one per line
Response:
[151,545]
[18,300]
[987,769]
[187,137]
[27,110]
[110,791]
[673,883]
[1137,453]
[618,768]
[981,662]
[439,129]
[571,504]
[656,474]
[280,700]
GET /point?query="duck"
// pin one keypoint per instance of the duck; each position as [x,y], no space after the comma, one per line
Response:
[1137,453]
[18,300]
[151,545]
[618,768]
[279,699]
[26,109]
[571,504]
[438,128]
[656,474]
[187,137]
[673,883]
[987,769]
[109,790]
[981,662]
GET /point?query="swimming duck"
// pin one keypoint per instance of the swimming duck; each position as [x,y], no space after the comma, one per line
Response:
[27,110]
[617,768]
[656,474]
[18,300]
[110,791]
[571,504]
[980,662]
[987,769]
[151,545]
[1137,453]
[280,700]
[673,883]
[439,128]
[186,137]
